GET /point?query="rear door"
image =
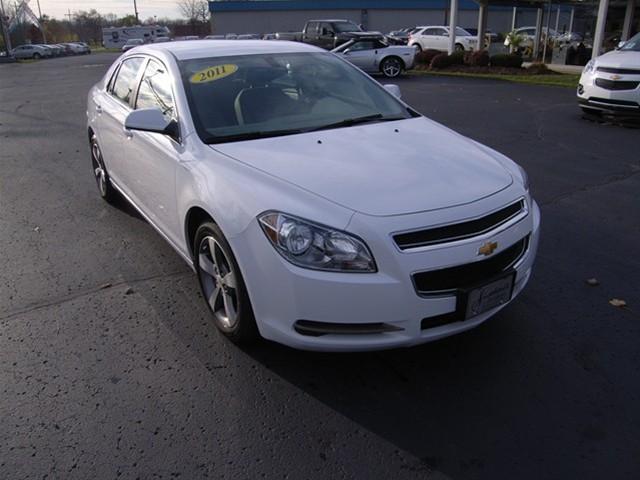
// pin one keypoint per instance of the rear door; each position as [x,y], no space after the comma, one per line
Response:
[429,38]
[310,34]
[441,38]
[113,105]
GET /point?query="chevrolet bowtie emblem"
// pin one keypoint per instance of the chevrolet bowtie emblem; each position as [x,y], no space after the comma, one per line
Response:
[488,248]
[615,77]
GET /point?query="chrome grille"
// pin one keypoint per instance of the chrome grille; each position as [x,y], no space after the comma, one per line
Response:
[458,231]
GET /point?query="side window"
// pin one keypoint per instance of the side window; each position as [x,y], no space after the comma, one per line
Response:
[363,45]
[312,27]
[430,31]
[326,29]
[441,32]
[124,84]
[155,90]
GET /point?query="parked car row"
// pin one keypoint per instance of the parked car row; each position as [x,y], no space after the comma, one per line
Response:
[38,51]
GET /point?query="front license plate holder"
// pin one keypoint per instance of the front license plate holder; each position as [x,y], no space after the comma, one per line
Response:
[481,298]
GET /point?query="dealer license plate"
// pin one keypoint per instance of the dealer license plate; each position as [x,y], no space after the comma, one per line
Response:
[490,295]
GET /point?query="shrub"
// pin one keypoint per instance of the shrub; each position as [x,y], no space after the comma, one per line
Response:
[506,60]
[538,69]
[426,56]
[456,58]
[440,61]
[477,59]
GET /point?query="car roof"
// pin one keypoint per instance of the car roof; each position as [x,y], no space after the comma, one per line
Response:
[186,50]
[331,20]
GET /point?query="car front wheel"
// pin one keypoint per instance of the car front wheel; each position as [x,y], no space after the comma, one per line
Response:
[37,56]
[222,285]
[391,67]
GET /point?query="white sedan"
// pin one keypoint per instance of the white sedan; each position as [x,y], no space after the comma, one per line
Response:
[317,209]
[610,84]
[437,38]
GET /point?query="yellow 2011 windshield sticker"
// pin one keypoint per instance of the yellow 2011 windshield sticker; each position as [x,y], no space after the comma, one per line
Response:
[211,74]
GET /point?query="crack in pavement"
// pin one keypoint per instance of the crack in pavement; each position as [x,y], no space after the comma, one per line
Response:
[82,293]
[619,177]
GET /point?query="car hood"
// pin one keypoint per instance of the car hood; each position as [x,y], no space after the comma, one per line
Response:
[619,59]
[389,168]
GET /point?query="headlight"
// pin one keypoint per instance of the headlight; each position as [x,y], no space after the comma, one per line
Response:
[308,245]
[590,67]
[525,178]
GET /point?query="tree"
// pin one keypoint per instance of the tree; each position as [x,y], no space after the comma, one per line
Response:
[196,11]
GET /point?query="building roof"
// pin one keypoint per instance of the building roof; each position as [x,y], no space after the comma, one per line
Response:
[282,5]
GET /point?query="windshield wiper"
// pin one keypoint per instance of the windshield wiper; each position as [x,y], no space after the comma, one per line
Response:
[238,137]
[355,121]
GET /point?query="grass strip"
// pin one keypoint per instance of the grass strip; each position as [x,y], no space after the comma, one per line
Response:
[559,80]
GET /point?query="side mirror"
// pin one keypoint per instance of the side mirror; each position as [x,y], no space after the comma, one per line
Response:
[347,51]
[621,44]
[393,89]
[151,120]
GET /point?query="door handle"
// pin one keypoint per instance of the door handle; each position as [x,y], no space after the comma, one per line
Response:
[98,108]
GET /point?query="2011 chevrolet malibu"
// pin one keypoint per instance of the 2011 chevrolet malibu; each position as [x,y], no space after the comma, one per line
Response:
[317,209]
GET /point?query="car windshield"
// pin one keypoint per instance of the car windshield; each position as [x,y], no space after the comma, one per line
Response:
[265,95]
[633,44]
[341,27]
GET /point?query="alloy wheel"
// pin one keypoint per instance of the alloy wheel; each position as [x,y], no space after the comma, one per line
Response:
[98,168]
[218,282]
[391,68]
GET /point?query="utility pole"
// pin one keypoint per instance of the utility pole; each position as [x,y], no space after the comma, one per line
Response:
[5,30]
[135,9]
[44,35]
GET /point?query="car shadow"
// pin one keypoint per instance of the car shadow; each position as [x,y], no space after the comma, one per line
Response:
[443,402]
[124,206]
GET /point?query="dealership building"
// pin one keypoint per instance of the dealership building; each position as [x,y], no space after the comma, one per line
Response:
[600,20]
[266,16]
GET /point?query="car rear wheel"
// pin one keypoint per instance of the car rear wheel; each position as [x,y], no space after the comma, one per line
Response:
[417,47]
[391,67]
[459,47]
[107,192]
[222,285]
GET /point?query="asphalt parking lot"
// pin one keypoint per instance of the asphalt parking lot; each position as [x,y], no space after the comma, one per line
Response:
[110,367]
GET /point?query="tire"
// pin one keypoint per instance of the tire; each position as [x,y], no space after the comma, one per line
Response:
[391,67]
[418,47]
[37,56]
[222,285]
[107,192]
[459,47]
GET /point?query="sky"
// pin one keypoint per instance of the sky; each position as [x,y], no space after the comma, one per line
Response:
[146,8]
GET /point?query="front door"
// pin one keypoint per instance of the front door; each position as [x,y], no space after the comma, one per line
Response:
[151,159]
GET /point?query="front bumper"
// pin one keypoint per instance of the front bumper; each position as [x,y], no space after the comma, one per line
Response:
[608,101]
[282,294]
